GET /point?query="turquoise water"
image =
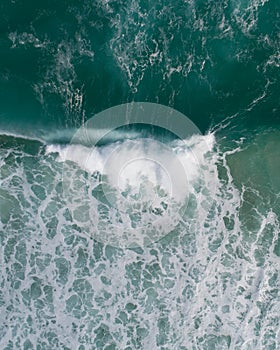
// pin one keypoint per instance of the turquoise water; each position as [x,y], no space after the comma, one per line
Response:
[211,281]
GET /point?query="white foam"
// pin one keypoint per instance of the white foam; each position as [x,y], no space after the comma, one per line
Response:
[127,162]
[145,185]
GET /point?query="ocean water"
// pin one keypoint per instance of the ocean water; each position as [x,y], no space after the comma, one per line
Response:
[77,272]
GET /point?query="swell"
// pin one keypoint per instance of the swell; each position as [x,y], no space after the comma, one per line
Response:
[69,62]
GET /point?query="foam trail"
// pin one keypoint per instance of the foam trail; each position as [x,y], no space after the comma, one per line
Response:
[210,280]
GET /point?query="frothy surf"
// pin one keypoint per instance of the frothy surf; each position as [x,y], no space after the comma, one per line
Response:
[216,262]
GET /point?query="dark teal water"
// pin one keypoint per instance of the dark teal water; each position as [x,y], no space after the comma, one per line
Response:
[211,283]
[64,62]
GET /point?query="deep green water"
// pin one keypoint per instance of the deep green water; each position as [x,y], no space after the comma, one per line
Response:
[213,281]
